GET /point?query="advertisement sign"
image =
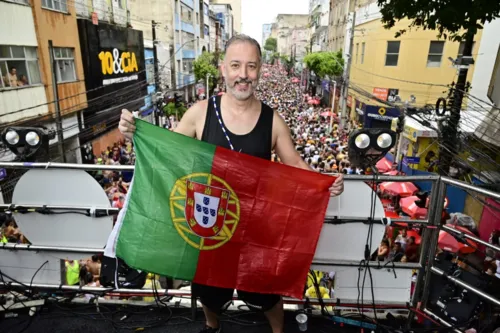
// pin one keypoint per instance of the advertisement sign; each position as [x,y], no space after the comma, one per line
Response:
[411,160]
[114,66]
[381,93]
[379,116]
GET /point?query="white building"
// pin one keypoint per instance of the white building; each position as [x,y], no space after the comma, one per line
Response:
[318,21]
[485,92]
[224,13]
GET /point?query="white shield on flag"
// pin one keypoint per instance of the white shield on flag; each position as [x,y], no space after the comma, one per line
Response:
[205,209]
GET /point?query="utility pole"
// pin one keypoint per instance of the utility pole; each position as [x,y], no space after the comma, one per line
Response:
[157,73]
[208,87]
[347,68]
[449,130]
[59,128]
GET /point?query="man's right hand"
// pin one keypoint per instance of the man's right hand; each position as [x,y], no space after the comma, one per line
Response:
[127,124]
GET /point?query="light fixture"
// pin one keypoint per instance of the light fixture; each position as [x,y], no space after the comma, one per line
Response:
[367,146]
[26,141]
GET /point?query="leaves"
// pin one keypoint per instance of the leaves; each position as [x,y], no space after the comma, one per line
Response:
[204,65]
[271,44]
[171,110]
[325,63]
[453,19]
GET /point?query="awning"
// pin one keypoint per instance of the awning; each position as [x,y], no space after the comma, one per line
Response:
[147,112]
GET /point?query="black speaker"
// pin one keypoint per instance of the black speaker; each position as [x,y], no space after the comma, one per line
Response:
[117,274]
[451,302]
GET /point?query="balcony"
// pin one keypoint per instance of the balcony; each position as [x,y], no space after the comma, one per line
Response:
[20,98]
[189,54]
[189,3]
[105,12]
[187,27]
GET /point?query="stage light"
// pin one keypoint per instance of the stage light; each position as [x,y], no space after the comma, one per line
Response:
[25,142]
[12,137]
[384,140]
[362,141]
[368,146]
[32,138]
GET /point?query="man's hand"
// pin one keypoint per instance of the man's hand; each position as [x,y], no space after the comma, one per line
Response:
[337,187]
[127,124]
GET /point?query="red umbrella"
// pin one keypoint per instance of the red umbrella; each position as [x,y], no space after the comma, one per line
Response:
[384,165]
[403,189]
[392,173]
[326,114]
[220,94]
[447,242]
[409,206]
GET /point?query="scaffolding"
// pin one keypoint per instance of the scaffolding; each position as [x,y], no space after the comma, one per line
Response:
[425,266]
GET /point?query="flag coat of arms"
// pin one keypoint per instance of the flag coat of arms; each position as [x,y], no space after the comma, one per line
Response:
[213,216]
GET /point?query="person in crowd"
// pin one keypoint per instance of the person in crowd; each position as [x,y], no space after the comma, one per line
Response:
[411,251]
[383,250]
[402,238]
[396,253]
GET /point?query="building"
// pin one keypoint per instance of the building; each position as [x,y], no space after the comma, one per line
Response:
[285,25]
[142,13]
[115,72]
[388,67]
[236,12]
[224,13]
[266,33]
[42,72]
[318,22]
[486,84]
[205,26]
[187,44]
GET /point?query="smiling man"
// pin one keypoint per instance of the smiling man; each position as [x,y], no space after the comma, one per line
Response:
[238,120]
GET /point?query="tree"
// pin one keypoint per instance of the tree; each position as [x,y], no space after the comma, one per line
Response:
[325,63]
[204,65]
[171,110]
[271,44]
[458,20]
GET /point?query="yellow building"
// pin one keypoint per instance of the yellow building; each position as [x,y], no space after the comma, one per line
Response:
[414,66]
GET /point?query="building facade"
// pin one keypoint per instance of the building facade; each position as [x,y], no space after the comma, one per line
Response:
[285,26]
[236,12]
[266,33]
[387,67]
[318,24]
[224,14]
[187,44]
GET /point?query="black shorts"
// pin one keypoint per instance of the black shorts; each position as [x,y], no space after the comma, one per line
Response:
[215,298]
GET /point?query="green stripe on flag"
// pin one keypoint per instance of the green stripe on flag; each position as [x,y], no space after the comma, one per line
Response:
[148,239]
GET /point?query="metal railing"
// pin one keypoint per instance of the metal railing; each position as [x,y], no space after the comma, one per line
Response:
[428,244]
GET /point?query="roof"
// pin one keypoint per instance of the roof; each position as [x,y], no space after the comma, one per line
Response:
[469,123]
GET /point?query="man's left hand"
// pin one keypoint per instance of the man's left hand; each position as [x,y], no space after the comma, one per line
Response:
[337,187]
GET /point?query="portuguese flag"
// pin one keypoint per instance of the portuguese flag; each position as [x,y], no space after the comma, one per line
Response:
[207,214]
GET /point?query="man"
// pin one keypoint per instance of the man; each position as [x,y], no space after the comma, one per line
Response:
[252,128]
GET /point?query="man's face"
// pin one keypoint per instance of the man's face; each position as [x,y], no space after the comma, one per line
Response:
[241,70]
[13,71]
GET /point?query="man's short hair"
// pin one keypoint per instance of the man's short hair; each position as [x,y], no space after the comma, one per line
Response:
[244,38]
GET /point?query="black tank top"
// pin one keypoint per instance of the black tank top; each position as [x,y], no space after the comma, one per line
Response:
[258,142]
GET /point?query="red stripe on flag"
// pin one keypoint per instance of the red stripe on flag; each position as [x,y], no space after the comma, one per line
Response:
[282,211]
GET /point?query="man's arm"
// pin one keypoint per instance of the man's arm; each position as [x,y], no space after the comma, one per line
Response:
[190,120]
[284,145]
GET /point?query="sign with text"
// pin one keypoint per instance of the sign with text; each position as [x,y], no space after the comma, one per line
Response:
[411,160]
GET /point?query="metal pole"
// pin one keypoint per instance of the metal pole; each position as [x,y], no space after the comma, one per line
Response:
[475,239]
[28,247]
[156,70]
[442,321]
[347,69]
[465,186]
[426,249]
[208,88]
[59,128]
[29,206]
[333,105]
[467,286]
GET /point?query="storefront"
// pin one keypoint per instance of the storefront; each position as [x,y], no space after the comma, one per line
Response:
[115,77]
[418,147]
[379,116]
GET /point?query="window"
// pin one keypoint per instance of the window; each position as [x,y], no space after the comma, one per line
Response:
[178,65]
[197,18]
[357,52]
[462,46]
[435,54]
[205,9]
[65,62]
[60,5]
[186,14]
[18,66]
[150,68]
[188,66]
[188,40]
[362,53]
[392,56]
[206,30]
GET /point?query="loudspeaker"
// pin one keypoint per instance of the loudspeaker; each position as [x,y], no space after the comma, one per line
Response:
[451,302]
[117,274]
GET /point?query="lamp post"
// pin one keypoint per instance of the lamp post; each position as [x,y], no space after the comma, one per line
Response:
[333,104]
[207,88]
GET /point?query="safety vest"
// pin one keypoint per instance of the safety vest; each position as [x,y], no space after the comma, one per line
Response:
[72,272]
[3,239]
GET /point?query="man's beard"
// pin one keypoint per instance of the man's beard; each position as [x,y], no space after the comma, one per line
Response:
[242,95]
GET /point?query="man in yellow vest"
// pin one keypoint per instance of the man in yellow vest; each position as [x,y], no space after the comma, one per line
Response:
[72,272]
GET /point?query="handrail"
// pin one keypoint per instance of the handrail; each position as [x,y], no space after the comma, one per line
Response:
[442,321]
[464,185]
[475,239]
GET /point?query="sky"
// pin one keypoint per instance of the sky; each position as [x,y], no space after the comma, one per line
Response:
[255,13]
